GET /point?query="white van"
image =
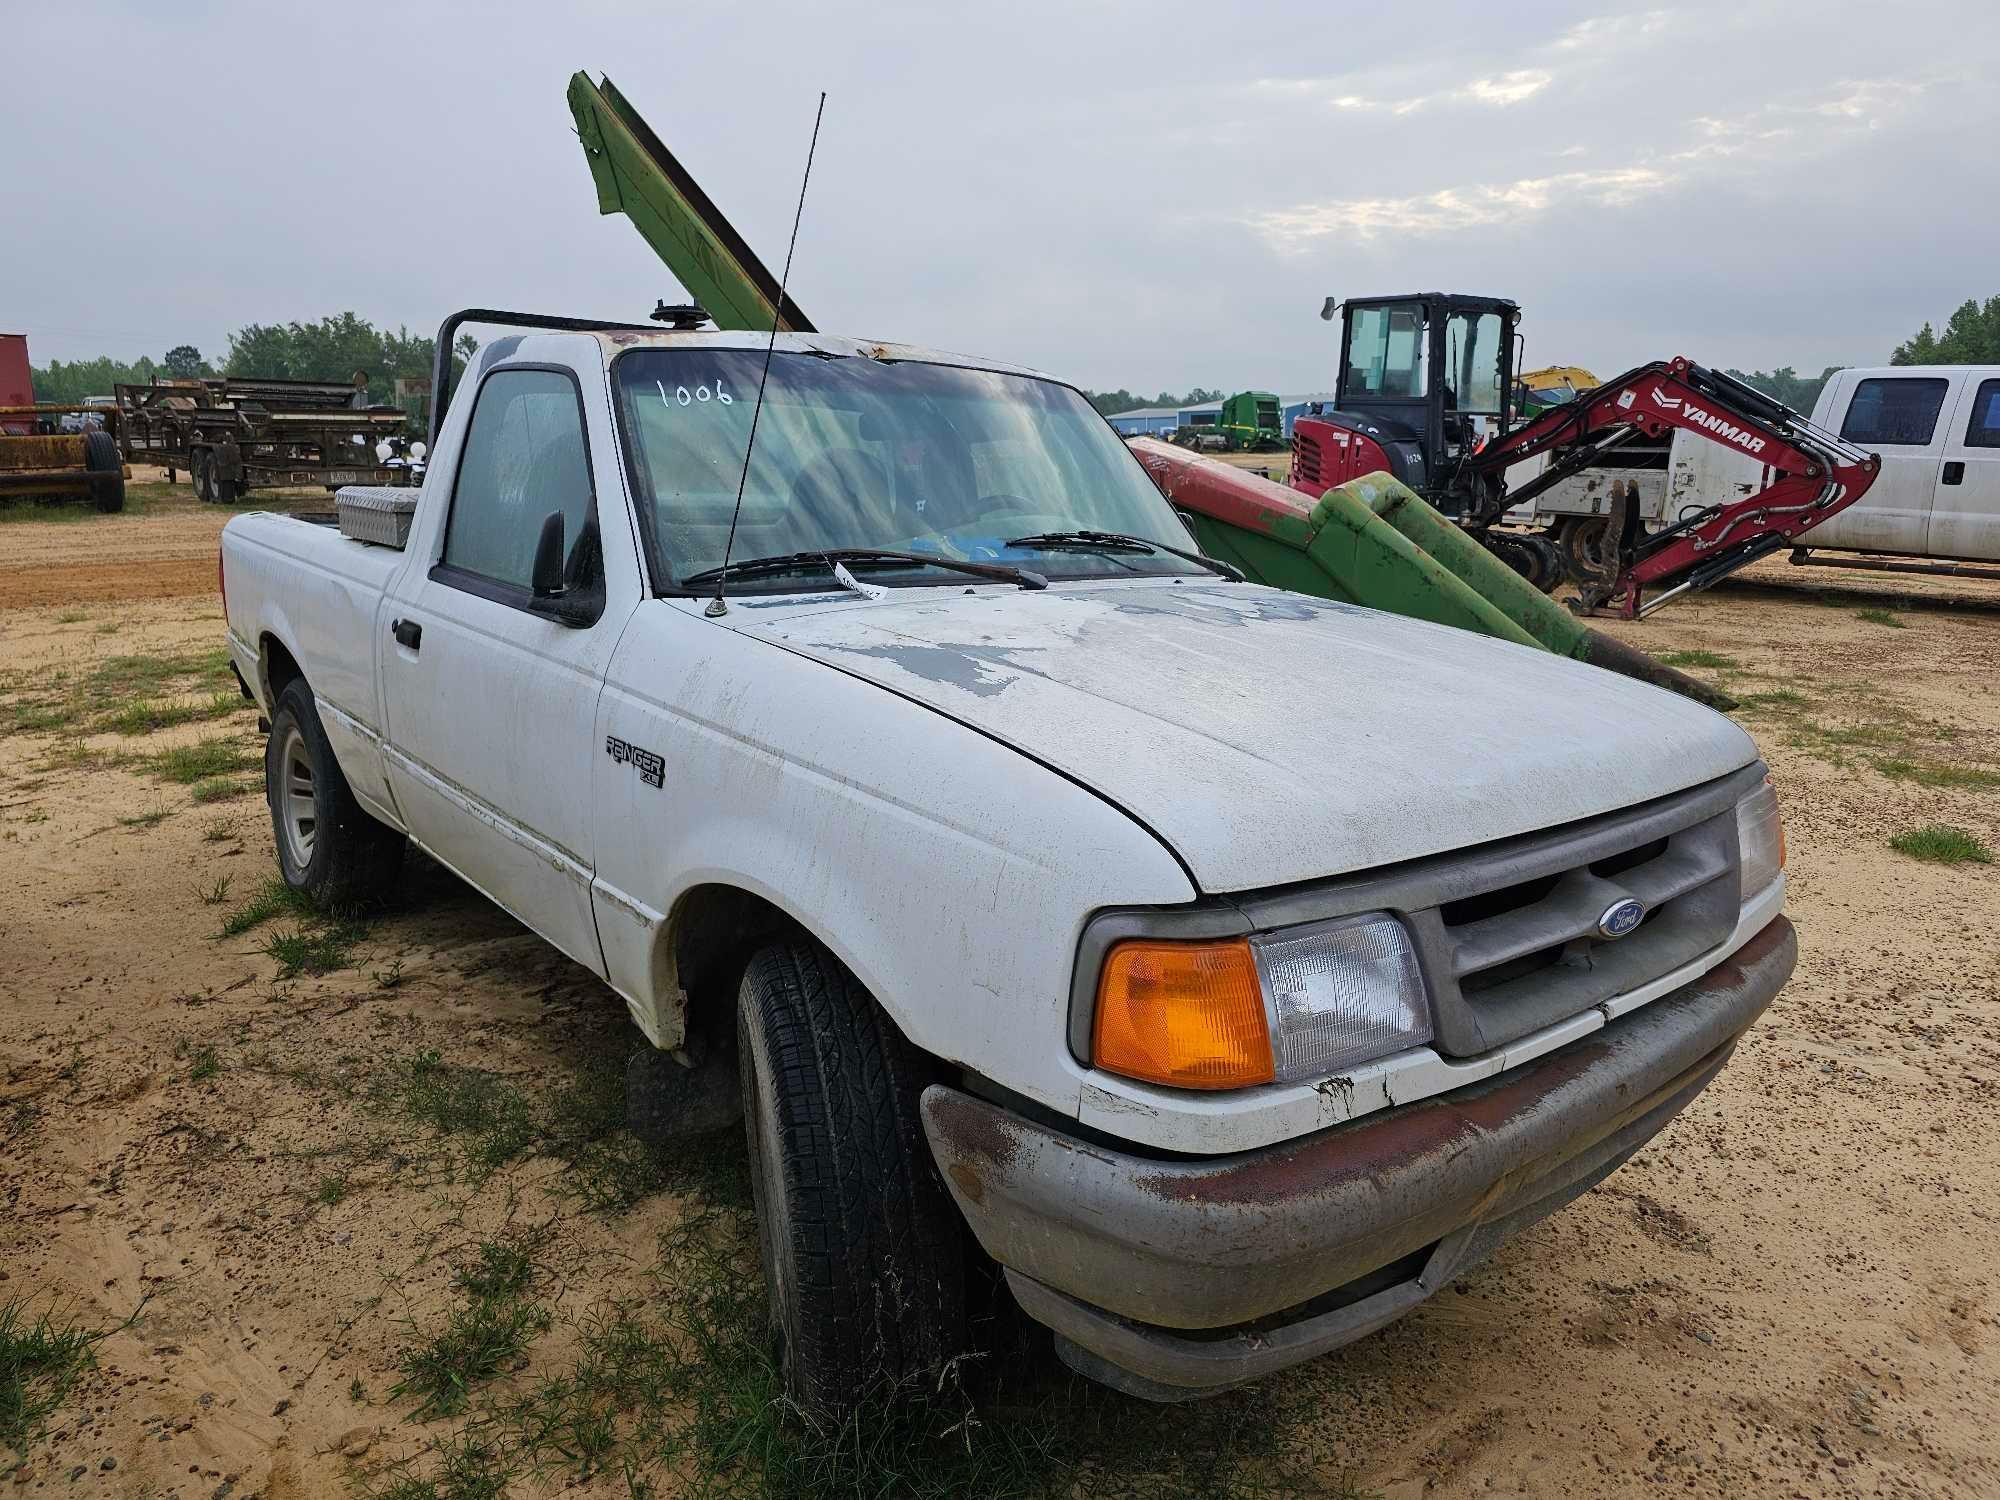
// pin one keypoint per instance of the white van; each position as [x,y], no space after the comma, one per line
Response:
[1937,428]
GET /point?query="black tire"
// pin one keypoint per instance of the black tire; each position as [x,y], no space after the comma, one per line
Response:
[201,473]
[107,470]
[223,491]
[864,1252]
[327,846]
[1583,539]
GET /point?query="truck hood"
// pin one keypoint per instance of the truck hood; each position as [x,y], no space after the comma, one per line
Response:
[1269,737]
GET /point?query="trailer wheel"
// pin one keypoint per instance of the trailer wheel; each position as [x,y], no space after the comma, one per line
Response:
[1582,541]
[223,491]
[200,475]
[327,846]
[864,1253]
[106,466]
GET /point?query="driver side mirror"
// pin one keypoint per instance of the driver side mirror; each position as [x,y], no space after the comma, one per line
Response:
[547,578]
[550,592]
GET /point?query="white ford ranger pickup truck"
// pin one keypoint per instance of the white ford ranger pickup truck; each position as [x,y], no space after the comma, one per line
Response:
[1227,964]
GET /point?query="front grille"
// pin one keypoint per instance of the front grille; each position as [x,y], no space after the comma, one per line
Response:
[1514,943]
[1305,460]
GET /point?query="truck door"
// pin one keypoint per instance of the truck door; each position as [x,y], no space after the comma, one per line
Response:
[1896,416]
[1965,518]
[490,706]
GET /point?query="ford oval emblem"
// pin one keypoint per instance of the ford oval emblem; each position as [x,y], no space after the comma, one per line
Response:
[1621,917]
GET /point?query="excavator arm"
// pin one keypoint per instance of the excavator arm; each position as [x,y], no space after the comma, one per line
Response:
[1810,475]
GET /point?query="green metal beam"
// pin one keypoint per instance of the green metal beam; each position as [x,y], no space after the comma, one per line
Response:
[637,176]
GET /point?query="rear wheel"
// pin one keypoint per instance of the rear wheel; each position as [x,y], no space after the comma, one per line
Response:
[327,846]
[202,476]
[863,1250]
[107,470]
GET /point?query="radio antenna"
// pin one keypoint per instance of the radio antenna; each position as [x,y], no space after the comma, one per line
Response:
[716,606]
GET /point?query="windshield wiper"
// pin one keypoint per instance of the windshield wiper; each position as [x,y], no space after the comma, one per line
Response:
[1117,541]
[823,561]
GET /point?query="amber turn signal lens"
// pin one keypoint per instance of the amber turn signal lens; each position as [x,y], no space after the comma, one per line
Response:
[1189,1015]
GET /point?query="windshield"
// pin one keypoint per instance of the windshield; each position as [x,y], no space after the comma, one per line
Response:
[858,452]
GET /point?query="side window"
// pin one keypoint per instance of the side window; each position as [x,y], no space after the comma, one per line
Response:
[524,457]
[1983,431]
[1894,409]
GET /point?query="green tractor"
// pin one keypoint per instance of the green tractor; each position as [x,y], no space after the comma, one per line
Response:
[1250,422]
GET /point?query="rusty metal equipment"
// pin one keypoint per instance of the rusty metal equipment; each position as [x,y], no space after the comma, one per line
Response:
[39,461]
[234,434]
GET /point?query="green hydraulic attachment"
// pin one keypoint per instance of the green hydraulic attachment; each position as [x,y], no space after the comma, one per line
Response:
[638,176]
[1373,541]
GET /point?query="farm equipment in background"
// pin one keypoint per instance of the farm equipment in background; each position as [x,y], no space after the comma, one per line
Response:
[52,450]
[1426,396]
[1247,422]
[1535,391]
[235,434]
[40,461]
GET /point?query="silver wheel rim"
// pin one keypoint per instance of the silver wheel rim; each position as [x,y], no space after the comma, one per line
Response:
[296,812]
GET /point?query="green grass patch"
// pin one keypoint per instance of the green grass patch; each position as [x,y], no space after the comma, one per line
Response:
[204,1066]
[271,899]
[218,789]
[331,1190]
[495,1322]
[1777,701]
[489,1120]
[319,949]
[146,819]
[676,1392]
[1709,659]
[1882,617]
[1936,774]
[185,765]
[1942,844]
[41,1360]
[145,715]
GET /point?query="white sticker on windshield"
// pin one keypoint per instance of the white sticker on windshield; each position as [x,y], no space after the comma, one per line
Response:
[695,395]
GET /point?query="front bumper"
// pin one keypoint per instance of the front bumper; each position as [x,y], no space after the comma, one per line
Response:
[1174,1278]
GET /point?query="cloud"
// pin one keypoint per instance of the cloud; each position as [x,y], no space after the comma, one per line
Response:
[1788,129]
[1508,88]
[1452,209]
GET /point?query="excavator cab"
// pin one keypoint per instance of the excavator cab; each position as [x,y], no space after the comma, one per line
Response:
[1433,369]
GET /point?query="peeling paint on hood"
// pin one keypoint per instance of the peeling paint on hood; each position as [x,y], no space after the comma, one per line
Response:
[1269,737]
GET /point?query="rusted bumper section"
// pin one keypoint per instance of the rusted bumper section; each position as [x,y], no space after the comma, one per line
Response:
[1174,1278]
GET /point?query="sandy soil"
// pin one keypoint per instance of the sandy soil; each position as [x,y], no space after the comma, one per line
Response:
[1791,1292]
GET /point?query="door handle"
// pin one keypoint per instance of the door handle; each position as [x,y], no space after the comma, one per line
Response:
[1954,471]
[408,633]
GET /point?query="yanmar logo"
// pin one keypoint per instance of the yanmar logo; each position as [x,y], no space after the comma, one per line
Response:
[1695,416]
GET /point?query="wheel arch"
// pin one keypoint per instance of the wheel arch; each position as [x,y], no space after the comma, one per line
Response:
[277,668]
[701,949]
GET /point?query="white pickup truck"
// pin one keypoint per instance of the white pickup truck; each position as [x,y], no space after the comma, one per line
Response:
[1202,949]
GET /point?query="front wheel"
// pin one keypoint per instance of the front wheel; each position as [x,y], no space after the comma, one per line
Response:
[327,846]
[863,1250]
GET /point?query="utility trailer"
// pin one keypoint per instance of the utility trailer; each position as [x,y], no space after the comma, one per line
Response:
[234,434]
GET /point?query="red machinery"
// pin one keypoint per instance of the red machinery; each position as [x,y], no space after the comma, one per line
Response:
[1422,375]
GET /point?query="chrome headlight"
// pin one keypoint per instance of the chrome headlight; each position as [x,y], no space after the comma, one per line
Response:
[1340,993]
[1760,837]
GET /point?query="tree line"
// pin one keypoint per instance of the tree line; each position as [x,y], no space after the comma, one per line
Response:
[334,348]
[328,349]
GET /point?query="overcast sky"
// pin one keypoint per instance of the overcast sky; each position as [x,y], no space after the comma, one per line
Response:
[1138,195]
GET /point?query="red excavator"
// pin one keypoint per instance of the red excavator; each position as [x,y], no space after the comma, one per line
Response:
[1425,394]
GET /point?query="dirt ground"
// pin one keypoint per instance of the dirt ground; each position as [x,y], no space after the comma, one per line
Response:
[279,1195]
